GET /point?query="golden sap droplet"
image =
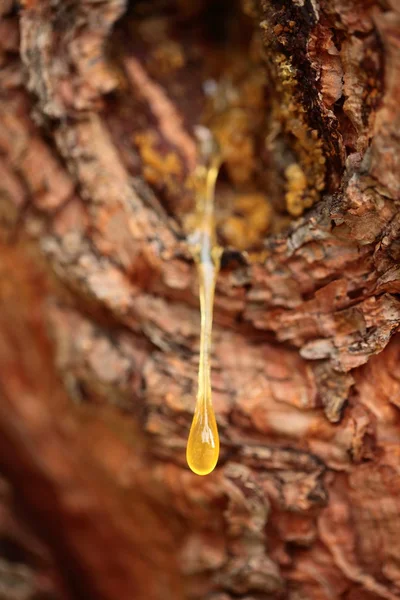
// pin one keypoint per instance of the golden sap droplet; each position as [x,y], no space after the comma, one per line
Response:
[203,444]
[202,449]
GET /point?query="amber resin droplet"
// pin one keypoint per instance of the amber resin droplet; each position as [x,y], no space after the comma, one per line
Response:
[203,444]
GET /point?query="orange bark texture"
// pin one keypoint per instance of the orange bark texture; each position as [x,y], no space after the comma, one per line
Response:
[99,317]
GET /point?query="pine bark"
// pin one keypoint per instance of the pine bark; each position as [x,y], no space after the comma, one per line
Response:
[99,317]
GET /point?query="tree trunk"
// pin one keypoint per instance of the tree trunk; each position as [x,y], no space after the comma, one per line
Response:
[99,324]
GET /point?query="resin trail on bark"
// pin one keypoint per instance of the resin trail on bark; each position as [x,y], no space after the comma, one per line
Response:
[203,444]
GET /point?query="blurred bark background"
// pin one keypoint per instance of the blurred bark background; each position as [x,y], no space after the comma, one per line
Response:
[99,315]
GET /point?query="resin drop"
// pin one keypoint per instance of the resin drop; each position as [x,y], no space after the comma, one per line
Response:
[203,444]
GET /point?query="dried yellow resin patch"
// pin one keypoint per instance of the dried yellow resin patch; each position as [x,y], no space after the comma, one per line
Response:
[306,179]
[156,166]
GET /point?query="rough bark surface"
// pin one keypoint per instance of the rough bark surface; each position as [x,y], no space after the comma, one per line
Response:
[99,317]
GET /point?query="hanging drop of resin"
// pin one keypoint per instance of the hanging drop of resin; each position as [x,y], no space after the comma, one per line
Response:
[203,444]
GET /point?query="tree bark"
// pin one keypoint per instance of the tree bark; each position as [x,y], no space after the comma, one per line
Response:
[99,322]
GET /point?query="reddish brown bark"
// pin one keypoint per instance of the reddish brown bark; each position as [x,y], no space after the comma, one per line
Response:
[98,300]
